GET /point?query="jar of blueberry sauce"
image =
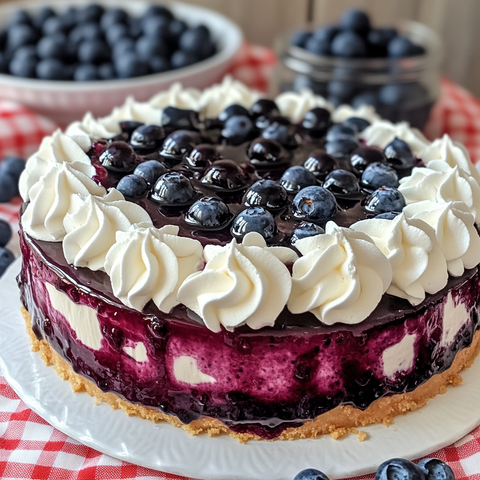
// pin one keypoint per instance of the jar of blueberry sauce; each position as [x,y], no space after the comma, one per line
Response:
[400,89]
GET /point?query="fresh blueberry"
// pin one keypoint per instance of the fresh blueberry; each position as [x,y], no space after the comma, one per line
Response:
[52,69]
[316,121]
[129,66]
[147,137]
[52,46]
[159,64]
[304,230]
[233,110]
[341,89]
[24,63]
[266,193]
[265,153]
[8,188]
[357,123]
[364,156]
[13,166]
[193,39]
[254,219]
[202,156]
[280,130]
[133,187]
[209,213]
[90,13]
[304,82]
[300,38]
[311,473]
[320,163]
[5,233]
[326,32]
[68,18]
[19,17]
[399,94]
[355,20]
[341,148]
[83,32]
[176,28]
[106,71]
[41,16]
[340,131]
[367,97]
[181,59]
[399,469]
[387,215]
[19,35]
[112,17]
[54,25]
[401,46]
[317,46]
[150,170]
[264,108]
[115,33]
[147,47]
[122,47]
[179,144]
[385,199]
[119,157]
[224,175]
[158,11]
[93,51]
[173,189]
[399,154]
[314,203]
[3,62]
[156,27]
[341,182]
[378,40]
[179,118]
[297,177]
[128,126]
[85,72]
[435,469]
[6,258]
[378,175]
[348,45]
[237,129]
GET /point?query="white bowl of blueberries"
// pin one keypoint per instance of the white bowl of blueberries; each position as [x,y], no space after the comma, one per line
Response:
[67,58]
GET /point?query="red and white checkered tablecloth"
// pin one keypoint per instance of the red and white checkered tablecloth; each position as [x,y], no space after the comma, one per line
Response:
[31,448]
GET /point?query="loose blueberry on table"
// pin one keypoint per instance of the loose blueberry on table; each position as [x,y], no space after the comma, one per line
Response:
[89,43]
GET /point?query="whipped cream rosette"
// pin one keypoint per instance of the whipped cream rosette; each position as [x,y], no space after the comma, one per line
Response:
[441,183]
[344,112]
[295,105]
[134,111]
[242,283]
[176,96]
[341,276]
[57,148]
[452,153]
[54,195]
[89,130]
[91,228]
[146,263]
[382,132]
[455,231]
[411,246]
[215,99]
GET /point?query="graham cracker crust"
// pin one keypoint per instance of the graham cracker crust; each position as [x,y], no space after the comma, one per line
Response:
[337,422]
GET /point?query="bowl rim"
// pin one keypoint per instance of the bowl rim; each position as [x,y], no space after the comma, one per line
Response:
[229,41]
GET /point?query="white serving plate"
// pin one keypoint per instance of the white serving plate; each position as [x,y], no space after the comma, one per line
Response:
[65,102]
[444,420]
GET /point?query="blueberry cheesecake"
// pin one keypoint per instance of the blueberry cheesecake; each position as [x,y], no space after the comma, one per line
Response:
[270,269]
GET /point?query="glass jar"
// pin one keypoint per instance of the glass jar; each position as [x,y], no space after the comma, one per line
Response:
[401,89]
